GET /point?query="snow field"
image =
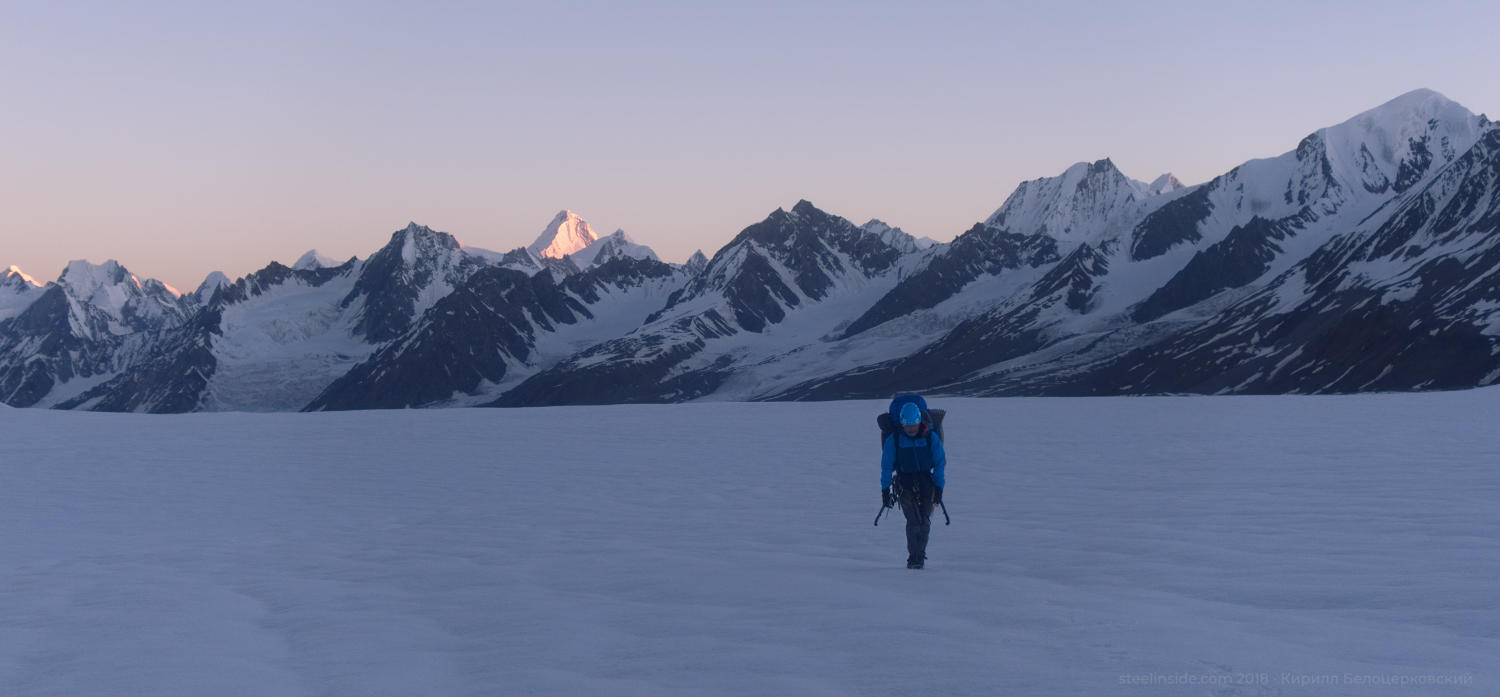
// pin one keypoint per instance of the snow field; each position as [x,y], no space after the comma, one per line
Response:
[1119,546]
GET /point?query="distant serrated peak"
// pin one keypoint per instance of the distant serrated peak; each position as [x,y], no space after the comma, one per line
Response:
[154,286]
[313,260]
[415,242]
[1087,201]
[805,207]
[15,276]
[211,283]
[613,245]
[895,236]
[84,277]
[1165,184]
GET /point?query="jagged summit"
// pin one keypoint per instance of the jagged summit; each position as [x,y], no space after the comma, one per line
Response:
[417,242]
[16,277]
[313,260]
[17,291]
[1165,184]
[895,236]
[211,283]
[566,234]
[85,278]
[1088,201]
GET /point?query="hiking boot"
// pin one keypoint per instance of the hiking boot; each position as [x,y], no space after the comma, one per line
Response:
[913,563]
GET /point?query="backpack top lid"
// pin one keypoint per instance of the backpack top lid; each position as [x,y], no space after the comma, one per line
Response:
[904,399]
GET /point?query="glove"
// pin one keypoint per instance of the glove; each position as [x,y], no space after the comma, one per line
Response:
[937,495]
[886,500]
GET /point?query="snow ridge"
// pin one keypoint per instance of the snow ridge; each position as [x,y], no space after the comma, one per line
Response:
[615,245]
[1086,203]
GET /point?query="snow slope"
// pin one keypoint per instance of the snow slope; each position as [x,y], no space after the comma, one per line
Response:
[1318,546]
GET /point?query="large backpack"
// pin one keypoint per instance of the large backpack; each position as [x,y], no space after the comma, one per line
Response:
[932,417]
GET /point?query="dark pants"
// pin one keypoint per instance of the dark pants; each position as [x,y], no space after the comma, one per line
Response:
[914,493]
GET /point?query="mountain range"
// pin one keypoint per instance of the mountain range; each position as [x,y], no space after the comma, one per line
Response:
[1365,258]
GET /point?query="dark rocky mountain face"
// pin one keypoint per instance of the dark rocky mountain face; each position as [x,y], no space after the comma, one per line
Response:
[744,288]
[94,321]
[174,376]
[393,278]
[41,350]
[480,332]
[468,337]
[983,250]
[1240,258]
[164,382]
[1173,224]
[1075,277]
[813,247]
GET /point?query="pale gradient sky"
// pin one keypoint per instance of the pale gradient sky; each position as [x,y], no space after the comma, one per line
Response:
[184,137]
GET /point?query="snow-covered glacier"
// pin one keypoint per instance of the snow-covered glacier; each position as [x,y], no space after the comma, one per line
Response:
[1228,546]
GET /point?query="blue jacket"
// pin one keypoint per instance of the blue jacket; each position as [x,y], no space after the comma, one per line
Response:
[899,439]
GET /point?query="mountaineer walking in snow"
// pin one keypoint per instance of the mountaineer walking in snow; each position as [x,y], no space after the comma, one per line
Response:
[911,468]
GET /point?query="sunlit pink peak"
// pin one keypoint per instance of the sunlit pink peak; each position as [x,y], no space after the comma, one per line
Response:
[15,275]
[1165,184]
[566,234]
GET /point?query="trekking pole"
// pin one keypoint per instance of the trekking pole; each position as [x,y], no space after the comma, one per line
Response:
[946,519]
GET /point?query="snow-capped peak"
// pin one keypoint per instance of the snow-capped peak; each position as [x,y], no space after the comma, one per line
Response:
[313,260]
[213,282]
[566,234]
[419,242]
[17,291]
[1400,141]
[1084,203]
[86,279]
[1165,184]
[896,237]
[107,298]
[15,276]
[154,286]
[877,226]
[616,244]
